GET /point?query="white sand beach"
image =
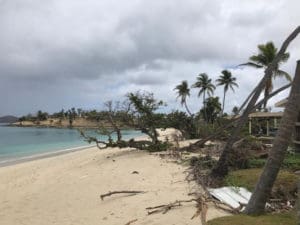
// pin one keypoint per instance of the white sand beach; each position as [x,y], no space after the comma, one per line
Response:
[65,190]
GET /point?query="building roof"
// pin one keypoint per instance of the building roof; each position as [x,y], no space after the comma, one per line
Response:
[266,115]
[282,103]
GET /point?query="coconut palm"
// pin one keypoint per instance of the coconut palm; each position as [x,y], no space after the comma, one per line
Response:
[206,87]
[213,109]
[281,142]
[266,54]
[228,81]
[183,92]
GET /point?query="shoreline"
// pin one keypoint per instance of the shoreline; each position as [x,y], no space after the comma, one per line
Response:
[37,156]
[65,127]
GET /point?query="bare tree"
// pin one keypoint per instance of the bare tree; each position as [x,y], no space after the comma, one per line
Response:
[111,114]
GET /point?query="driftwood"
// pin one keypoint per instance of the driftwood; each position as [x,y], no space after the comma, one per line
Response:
[120,192]
[165,208]
[131,221]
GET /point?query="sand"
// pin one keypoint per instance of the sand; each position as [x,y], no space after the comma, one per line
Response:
[65,190]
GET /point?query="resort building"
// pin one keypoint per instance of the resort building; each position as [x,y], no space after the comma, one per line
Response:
[296,137]
[265,124]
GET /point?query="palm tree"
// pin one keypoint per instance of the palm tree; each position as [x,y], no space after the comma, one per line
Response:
[205,85]
[228,81]
[266,54]
[213,109]
[265,183]
[183,92]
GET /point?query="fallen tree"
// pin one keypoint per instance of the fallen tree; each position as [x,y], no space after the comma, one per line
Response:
[140,114]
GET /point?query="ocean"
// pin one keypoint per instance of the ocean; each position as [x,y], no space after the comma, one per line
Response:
[17,143]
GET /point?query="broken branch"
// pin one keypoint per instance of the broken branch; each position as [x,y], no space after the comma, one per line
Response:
[165,208]
[120,192]
[131,221]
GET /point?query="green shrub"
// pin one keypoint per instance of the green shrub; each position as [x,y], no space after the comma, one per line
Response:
[205,162]
[159,147]
[291,162]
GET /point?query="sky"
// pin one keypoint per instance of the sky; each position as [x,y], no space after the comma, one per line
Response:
[69,53]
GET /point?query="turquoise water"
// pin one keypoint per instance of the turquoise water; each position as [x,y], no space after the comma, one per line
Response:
[18,142]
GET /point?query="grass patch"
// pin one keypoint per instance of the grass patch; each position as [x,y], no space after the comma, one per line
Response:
[285,185]
[268,219]
[291,162]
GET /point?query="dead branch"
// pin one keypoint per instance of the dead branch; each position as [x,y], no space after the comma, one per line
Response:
[131,221]
[165,208]
[120,192]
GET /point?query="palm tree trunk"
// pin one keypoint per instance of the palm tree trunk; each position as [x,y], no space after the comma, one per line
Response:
[223,102]
[221,169]
[266,96]
[187,109]
[204,107]
[264,186]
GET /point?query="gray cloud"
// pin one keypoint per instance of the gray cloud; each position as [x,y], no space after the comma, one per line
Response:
[64,53]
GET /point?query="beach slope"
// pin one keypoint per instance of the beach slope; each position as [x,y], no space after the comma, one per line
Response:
[66,190]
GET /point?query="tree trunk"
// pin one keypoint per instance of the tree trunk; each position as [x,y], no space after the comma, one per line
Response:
[298,203]
[221,169]
[223,102]
[264,186]
[115,127]
[187,109]
[204,107]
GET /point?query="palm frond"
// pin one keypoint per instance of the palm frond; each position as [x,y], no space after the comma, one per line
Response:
[281,73]
[251,64]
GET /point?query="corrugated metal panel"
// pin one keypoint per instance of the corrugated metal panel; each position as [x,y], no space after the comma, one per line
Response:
[231,196]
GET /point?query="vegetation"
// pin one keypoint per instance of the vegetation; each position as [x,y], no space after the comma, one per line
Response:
[183,122]
[266,55]
[206,87]
[291,162]
[276,155]
[286,182]
[212,109]
[228,81]
[267,219]
[141,114]
[183,92]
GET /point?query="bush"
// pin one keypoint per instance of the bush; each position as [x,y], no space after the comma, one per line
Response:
[291,162]
[205,162]
[161,146]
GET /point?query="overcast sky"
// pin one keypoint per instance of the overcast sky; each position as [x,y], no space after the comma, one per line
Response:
[58,54]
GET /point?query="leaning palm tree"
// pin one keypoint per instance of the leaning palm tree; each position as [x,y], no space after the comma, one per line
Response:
[281,142]
[266,54]
[205,86]
[183,92]
[228,81]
